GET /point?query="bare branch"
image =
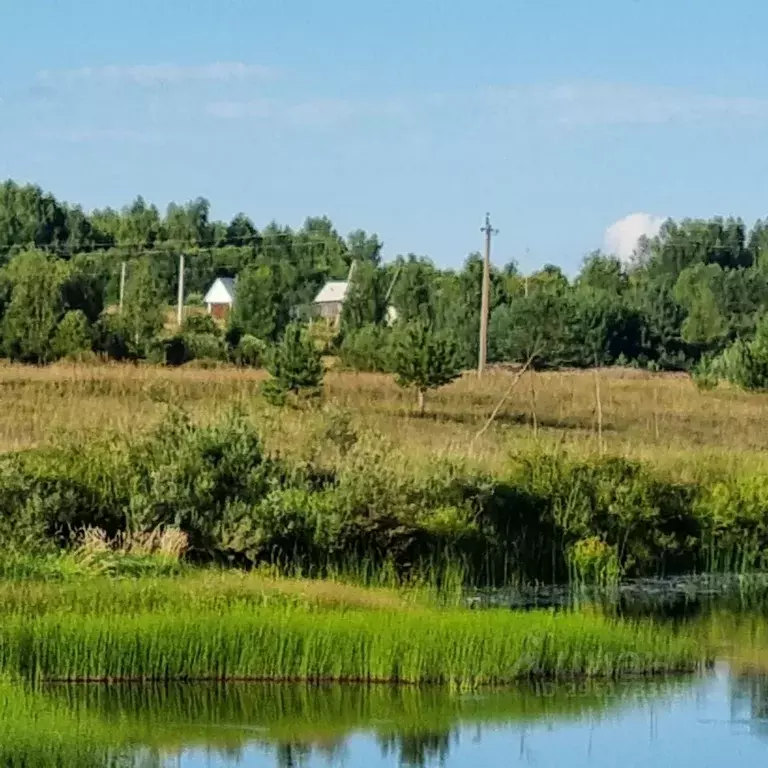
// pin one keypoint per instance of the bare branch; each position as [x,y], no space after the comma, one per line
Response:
[512,385]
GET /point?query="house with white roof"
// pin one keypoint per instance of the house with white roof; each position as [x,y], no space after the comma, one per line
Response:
[220,297]
[329,302]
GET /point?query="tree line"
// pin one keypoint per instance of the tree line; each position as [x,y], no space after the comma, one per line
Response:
[691,298]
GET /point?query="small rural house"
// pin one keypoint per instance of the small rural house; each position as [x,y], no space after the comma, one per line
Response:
[330,301]
[220,297]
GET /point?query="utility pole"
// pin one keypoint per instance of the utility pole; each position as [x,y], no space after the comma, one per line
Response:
[527,260]
[122,285]
[180,307]
[486,296]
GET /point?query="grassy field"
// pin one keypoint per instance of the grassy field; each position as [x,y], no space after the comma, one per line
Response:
[661,419]
[605,473]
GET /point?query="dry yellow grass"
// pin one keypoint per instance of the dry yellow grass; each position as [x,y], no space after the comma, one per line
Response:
[659,418]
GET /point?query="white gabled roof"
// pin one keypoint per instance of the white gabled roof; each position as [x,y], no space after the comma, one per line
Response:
[333,290]
[221,292]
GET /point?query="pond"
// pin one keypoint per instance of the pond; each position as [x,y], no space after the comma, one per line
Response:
[715,719]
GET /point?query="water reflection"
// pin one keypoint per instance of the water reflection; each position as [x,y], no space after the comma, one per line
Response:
[710,720]
[148,725]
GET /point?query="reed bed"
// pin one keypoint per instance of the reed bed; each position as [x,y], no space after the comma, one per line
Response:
[457,647]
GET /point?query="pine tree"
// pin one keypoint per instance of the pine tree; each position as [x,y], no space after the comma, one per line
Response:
[296,366]
[424,359]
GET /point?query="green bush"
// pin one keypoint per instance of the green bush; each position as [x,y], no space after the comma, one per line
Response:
[205,346]
[111,338]
[296,367]
[367,349]
[73,335]
[250,351]
[199,323]
[733,514]
[195,299]
[171,351]
[548,519]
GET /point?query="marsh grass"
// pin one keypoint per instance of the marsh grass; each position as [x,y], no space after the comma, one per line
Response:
[179,629]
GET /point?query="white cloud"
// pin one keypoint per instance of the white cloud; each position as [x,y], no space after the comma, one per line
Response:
[619,104]
[91,134]
[161,74]
[621,237]
[316,113]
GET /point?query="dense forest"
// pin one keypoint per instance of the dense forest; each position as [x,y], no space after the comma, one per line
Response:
[691,298]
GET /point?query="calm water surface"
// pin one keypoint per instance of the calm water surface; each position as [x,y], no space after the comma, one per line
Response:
[716,720]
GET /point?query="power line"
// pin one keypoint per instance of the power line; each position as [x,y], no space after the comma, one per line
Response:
[296,239]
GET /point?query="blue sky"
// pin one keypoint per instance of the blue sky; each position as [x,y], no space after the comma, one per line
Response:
[410,119]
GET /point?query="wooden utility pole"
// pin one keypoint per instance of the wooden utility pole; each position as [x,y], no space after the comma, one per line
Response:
[486,294]
[122,285]
[180,304]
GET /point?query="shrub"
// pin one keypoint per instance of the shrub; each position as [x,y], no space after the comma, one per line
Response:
[111,338]
[296,367]
[200,323]
[171,351]
[205,346]
[594,561]
[250,351]
[704,374]
[73,335]
[367,349]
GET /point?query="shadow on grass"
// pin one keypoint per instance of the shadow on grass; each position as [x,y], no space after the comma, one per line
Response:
[574,423]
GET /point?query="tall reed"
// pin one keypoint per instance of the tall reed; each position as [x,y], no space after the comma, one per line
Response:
[459,648]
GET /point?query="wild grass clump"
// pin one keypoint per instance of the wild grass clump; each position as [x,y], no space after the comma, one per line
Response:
[157,552]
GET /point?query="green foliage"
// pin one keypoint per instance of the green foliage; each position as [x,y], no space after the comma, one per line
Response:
[367,349]
[595,562]
[744,364]
[689,292]
[455,647]
[250,351]
[547,519]
[111,337]
[295,365]
[365,302]
[205,346]
[423,358]
[142,315]
[696,290]
[200,323]
[36,305]
[73,335]
[262,307]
